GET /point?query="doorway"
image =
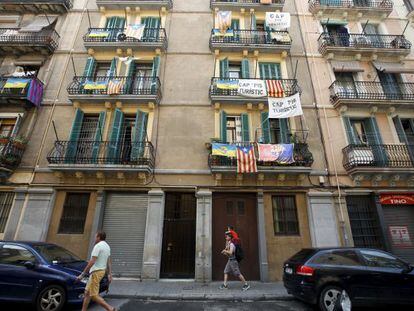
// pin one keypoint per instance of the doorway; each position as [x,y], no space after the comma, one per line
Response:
[178,245]
[240,211]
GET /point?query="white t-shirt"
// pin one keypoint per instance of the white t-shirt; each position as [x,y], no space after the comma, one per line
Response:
[101,251]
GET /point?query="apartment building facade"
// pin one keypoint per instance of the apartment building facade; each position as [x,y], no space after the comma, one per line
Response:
[133,104]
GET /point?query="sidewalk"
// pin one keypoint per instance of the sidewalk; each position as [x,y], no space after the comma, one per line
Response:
[181,290]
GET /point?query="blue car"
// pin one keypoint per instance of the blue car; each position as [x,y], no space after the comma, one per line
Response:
[41,273]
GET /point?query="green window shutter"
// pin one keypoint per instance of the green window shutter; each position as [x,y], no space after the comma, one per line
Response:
[151,31]
[115,137]
[112,68]
[270,71]
[400,130]
[374,138]
[245,127]
[139,135]
[235,24]
[98,136]
[224,68]
[223,126]
[89,67]
[120,22]
[265,127]
[253,25]
[155,66]
[245,68]
[130,77]
[284,131]
[110,22]
[352,138]
[74,137]
[17,125]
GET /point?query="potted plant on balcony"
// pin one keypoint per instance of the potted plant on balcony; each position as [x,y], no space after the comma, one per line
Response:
[19,142]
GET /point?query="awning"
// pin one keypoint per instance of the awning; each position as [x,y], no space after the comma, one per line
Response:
[393,67]
[349,66]
[39,22]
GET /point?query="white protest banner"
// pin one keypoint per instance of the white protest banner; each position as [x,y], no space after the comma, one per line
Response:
[277,20]
[285,107]
[252,88]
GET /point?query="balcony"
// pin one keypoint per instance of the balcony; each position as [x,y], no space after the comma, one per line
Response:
[247,4]
[251,40]
[288,86]
[355,9]
[360,93]
[35,7]
[102,156]
[142,4]
[103,38]
[378,161]
[303,160]
[126,89]
[21,91]
[11,153]
[15,42]
[359,45]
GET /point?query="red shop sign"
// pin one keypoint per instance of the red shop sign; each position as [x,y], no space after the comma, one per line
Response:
[397,199]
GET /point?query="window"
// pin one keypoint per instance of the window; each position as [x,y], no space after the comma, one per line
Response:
[358,127]
[338,258]
[128,126]
[234,130]
[102,69]
[15,255]
[275,131]
[382,260]
[285,218]
[6,202]
[235,70]
[74,213]
[54,253]
[408,127]
[7,126]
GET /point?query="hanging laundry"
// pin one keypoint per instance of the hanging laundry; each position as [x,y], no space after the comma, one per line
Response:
[135,31]
[223,21]
[274,88]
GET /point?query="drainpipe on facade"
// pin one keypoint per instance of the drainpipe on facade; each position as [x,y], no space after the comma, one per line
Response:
[49,121]
[342,216]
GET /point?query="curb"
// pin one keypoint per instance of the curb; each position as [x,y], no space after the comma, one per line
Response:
[201,297]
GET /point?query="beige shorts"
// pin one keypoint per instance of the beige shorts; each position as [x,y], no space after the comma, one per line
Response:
[232,267]
[93,283]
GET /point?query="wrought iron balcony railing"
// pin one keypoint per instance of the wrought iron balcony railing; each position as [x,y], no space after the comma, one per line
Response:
[11,153]
[315,5]
[143,4]
[288,86]
[36,6]
[301,154]
[362,41]
[102,153]
[151,36]
[249,3]
[28,90]
[12,39]
[115,86]
[375,91]
[244,38]
[378,156]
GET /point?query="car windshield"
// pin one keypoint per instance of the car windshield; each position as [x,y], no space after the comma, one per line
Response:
[56,254]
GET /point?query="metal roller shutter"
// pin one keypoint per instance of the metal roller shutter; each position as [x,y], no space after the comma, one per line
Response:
[400,218]
[124,223]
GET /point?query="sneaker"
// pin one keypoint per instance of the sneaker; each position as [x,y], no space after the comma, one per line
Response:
[245,287]
[224,286]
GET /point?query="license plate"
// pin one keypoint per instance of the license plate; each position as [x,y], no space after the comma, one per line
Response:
[288,270]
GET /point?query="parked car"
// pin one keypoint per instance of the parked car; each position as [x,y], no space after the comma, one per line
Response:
[366,276]
[41,273]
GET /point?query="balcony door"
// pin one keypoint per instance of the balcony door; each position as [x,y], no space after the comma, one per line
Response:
[86,136]
[390,85]
[405,131]
[143,81]
[346,84]
[374,36]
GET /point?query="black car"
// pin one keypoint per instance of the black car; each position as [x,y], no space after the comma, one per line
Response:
[365,276]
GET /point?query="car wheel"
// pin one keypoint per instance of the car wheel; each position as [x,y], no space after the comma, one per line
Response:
[51,298]
[329,298]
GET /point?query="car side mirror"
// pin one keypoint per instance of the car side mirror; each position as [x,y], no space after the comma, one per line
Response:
[29,265]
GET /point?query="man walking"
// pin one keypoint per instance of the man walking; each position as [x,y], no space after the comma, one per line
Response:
[232,266]
[99,263]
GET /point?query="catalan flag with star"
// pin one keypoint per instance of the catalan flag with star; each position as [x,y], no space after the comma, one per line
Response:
[246,160]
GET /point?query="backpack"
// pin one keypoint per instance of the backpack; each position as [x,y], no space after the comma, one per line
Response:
[239,253]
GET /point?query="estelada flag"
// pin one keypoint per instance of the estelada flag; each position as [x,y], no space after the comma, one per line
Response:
[274,88]
[246,160]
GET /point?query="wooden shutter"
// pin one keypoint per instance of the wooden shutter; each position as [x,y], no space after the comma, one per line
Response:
[112,68]
[253,25]
[235,24]
[374,138]
[265,127]
[352,138]
[98,136]
[270,71]
[223,126]
[139,135]
[245,68]
[114,140]
[224,68]
[245,127]
[74,136]
[284,131]
[155,66]
[90,67]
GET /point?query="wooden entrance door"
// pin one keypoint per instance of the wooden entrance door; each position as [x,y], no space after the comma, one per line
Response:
[178,246]
[238,210]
